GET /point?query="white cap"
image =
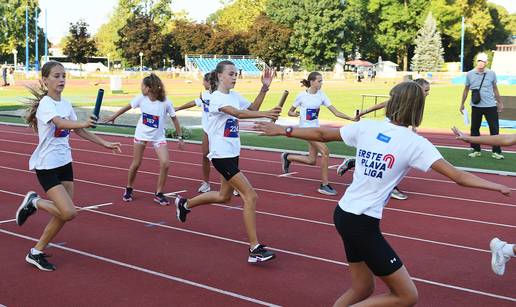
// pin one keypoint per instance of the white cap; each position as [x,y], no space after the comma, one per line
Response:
[482,57]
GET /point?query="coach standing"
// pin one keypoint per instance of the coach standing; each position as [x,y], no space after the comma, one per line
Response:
[485,101]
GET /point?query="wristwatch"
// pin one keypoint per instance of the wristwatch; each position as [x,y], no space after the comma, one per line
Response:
[288,131]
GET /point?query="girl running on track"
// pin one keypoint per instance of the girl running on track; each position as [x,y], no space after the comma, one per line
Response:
[385,152]
[501,251]
[350,163]
[226,108]
[203,101]
[53,117]
[309,103]
[154,107]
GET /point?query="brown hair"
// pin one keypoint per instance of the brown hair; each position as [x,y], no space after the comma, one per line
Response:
[214,78]
[38,91]
[421,82]
[156,87]
[406,105]
[311,77]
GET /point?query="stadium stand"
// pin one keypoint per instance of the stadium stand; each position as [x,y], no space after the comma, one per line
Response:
[250,66]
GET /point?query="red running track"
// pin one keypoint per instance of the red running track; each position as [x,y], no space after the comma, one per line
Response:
[134,254]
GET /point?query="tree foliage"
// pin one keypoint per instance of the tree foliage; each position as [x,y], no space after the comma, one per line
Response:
[428,55]
[270,41]
[79,45]
[239,15]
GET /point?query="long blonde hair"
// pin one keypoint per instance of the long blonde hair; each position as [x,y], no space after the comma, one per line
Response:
[406,105]
[38,91]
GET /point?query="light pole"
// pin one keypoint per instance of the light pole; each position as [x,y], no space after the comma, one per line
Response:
[141,64]
[15,53]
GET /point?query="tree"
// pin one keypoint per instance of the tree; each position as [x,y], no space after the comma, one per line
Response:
[428,55]
[269,41]
[227,42]
[79,45]
[12,30]
[191,37]
[141,34]
[238,15]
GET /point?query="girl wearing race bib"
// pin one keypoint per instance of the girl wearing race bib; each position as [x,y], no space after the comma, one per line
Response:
[53,117]
[203,101]
[385,152]
[309,103]
[226,108]
[154,107]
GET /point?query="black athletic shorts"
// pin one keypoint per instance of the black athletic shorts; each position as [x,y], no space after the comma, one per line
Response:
[49,178]
[227,167]
[363,241]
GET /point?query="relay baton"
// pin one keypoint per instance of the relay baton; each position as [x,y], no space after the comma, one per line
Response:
[98,103]
[282,101]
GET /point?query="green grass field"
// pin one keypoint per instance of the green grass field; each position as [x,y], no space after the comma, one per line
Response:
[441,111]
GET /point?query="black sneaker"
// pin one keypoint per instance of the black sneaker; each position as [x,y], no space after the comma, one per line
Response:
[285,163]
[40,261]
[181,211]
[345,166]
[260,254]
[26,208]
[161,199]
[128,195]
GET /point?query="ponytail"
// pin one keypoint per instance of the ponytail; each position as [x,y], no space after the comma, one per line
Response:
[156,87]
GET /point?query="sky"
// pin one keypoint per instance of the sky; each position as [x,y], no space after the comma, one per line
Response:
[96,12]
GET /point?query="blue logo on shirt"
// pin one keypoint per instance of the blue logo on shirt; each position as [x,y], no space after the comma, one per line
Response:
[231,128]
[312,114]
[383,138]
[150,120]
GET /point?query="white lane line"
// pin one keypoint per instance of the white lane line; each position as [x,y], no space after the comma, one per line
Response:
[7,221]
[283,193]
[147,271]
[286,175]
[94,206]
[174,194]
[422,280]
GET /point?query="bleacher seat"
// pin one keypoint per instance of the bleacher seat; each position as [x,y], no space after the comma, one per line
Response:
[248,66]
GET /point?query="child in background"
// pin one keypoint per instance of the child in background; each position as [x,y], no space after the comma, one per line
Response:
[154,107]
[203,101]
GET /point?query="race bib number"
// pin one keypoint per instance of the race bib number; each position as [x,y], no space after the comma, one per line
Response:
[61,133]
[150,120]
[312,114]
[231,128]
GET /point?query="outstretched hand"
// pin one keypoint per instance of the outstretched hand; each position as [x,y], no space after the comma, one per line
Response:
[114,146]
[459,135]
[267,76]
[273,113]
[108,119]
[268,128]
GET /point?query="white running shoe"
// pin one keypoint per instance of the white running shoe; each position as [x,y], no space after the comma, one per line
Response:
[498,259]
[205,187]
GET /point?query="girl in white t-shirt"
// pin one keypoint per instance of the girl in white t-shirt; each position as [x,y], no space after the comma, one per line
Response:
[226,108]
[385,152]
[53,118]
[154,107]
[309,103]
[203,101]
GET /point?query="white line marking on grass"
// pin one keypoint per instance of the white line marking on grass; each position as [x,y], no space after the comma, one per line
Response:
[147,271]
[426,281]
[287,174]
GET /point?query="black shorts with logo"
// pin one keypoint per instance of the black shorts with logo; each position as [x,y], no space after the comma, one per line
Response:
[227,167]
[49,178]
[363,241]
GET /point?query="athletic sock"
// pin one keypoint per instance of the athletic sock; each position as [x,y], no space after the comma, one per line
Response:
[508,250]
[186,206]
[35,251]
[254,247]
[35,202]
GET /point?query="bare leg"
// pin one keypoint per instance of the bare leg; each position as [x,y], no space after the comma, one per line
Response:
[61,200]
[205,160]
[403,292]
[162,153]
[325,156]
[311,159]
[362,285]
[138,150]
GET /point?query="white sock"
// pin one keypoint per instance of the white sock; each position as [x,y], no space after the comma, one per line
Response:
[254,247]
[186,206]
[35,202]
[35,251]
[508,250]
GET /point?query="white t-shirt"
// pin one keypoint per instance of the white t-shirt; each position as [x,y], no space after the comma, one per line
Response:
[204,103]
[385,152]
[223,129]
[151,125]
[309,106]
[53,149]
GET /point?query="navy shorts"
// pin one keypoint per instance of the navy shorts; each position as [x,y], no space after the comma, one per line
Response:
[49,178]
[363,241]
[227,167]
